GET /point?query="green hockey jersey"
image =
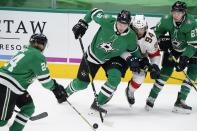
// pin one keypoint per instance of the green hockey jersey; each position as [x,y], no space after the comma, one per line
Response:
[106,43]
[23,68]
[183,37]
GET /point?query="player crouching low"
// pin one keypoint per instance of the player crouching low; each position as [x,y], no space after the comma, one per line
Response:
[15,78]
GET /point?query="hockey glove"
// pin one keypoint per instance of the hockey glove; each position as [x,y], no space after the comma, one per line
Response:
[183,62]
[164,43]
[154,71]
[144,63]
[134,64]
[80,28]
[59,92]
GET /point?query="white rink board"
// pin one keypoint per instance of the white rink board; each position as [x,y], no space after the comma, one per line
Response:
[20,25]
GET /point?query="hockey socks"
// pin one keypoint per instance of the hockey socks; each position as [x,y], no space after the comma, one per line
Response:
[105,94]
[75,86]
[156,88]
[22,117]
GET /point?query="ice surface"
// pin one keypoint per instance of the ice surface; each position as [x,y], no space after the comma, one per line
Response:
[120,115]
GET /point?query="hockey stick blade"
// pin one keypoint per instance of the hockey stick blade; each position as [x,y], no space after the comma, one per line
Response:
[39,116]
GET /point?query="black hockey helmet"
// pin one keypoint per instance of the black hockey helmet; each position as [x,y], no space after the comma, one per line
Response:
[38,38]
[179,6]
[124,17]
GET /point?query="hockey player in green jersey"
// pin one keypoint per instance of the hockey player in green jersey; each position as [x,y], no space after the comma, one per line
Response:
[111,40]
[15,78]
[182,28]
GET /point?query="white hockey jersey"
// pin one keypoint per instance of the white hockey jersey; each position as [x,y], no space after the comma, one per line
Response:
[149,46]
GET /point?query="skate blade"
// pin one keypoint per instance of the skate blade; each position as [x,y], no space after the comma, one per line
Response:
[130,105]
[95,113]
[148,108]
[181,110]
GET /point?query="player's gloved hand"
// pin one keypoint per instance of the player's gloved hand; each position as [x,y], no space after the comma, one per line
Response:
[59,92]
[144,63]
[80,28]
[134,64]
[164,43]
[154,71]
[183,62]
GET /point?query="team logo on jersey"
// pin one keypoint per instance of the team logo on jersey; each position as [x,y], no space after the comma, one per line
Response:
[176,44]
[84,73]
[107,47]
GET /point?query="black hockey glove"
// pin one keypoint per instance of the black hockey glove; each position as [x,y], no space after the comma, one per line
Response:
[59,92]
[183,62]
[144,63]
[134,64]
[154,71]
[80,28]
[164,43]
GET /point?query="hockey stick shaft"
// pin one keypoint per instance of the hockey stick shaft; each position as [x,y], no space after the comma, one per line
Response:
[37,117]
[90,76]
[191,82]
[165,75]
[173,77]
[81,115]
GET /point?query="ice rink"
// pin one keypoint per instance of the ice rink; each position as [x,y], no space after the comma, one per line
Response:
[120,116]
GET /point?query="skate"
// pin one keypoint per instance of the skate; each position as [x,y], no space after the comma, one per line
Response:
[130,96]
[181,107]
[149,104]
[96,109]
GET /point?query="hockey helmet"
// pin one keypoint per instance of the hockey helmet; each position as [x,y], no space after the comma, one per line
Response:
[179,6]
[38,38]
[139,21]
[124,17]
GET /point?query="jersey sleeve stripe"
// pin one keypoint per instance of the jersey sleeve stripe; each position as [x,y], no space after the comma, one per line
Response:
[95,12]
[134,50]
[44,81]
[192,42]
[11,83]
[43,76]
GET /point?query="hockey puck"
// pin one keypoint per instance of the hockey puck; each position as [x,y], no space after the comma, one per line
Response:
[95,125]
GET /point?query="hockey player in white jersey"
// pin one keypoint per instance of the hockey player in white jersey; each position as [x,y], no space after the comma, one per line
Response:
[148,45]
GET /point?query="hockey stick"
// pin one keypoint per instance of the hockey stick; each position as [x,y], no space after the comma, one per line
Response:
[90,76]
[37,117]
[92,127]
[173,77]
[146,70]
[190,81]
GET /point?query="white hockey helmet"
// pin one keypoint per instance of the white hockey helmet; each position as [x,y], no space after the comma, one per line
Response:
[139,21]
